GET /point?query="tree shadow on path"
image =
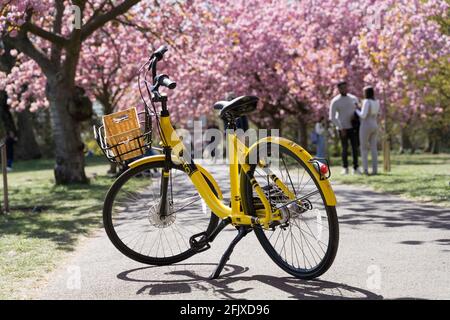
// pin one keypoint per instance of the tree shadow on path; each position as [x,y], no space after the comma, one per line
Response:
[369,207]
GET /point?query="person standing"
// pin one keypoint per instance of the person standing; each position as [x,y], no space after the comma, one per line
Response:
[342,114]
[320,134]
[369,130]
[10,140]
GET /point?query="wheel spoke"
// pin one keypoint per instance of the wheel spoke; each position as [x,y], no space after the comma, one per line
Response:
[301,240]
[138,225]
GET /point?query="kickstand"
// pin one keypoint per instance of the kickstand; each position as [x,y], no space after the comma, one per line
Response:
[242,232]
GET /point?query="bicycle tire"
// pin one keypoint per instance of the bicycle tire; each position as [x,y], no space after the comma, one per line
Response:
[333,242]
[111,231]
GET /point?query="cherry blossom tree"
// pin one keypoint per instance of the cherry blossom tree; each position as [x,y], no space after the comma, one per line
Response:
[42,31]
[289,53]
[398,50]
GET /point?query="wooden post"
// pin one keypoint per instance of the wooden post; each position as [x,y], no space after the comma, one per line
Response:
[5,179]
[386,138]
[387,155]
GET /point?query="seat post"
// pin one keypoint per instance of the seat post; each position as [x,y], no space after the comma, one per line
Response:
[234,169]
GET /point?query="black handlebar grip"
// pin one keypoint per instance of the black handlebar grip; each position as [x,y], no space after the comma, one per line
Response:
[169,83]
[159,54]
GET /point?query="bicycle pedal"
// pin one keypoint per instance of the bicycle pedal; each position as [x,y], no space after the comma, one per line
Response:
[206,247]
[199,242]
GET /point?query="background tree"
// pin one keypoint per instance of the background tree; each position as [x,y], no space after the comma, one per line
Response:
[289,53]
[23,127]
[40,30]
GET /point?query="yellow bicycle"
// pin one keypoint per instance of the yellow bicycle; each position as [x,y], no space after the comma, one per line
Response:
[157,213]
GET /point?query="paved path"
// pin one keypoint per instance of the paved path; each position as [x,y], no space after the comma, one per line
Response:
[389,248]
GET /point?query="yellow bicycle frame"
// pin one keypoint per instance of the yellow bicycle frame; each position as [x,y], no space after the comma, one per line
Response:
[238,154]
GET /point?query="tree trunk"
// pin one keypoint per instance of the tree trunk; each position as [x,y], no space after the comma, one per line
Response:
[108,108]
[5,114]
[435,146]
[405,142]
[277,125]
[44,134]
[27,146]
[337,151]
[387,154]
[302,132]
[434,139]
[69,148]
[386,137]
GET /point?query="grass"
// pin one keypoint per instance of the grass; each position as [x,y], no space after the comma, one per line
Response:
[45,223]
[423,177]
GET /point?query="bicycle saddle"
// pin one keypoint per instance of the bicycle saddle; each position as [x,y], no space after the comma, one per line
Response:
[236,108]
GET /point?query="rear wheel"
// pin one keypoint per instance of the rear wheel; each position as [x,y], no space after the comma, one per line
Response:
[133,224]
[305,242]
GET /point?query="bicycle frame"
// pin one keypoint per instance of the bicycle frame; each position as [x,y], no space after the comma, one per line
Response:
[237,155]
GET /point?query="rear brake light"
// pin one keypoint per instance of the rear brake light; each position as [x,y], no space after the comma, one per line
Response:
[323,169]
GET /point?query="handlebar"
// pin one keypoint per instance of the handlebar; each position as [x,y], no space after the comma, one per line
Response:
[159,54]
[162,79]
[165,81]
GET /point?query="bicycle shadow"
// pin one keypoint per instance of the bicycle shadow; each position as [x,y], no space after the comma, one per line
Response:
[234,275]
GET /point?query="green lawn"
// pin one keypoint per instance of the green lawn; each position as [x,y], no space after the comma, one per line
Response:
[420,177]
[45,223]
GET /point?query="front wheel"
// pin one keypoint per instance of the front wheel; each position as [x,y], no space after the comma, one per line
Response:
[132,221]
[304,243]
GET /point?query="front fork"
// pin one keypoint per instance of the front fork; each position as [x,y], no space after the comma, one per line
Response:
[165,177]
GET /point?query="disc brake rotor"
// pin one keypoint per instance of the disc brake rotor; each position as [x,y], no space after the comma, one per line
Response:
[159,221]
